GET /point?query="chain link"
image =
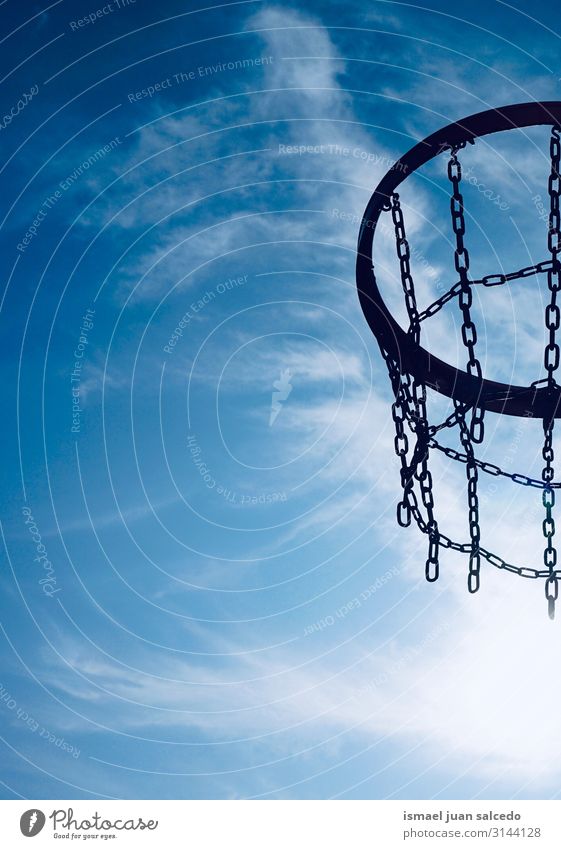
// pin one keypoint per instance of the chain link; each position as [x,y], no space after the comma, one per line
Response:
[437,305]
[402,410]
[552,315]
[461,262]
[492,469]
[548,498]
[469,338]
[492,559]
[522,571]
[473,503]
[489,280]
[401,442]
[413,400]
[551,363]
[448,422]
[424,477]
[404,256]
[527,271]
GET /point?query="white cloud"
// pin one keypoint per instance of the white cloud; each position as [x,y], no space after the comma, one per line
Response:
[301,103]
[471,686]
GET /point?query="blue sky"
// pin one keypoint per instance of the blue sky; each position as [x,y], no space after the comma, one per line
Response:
[227,609]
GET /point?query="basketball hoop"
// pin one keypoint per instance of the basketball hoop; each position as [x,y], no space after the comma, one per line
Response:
[412,369]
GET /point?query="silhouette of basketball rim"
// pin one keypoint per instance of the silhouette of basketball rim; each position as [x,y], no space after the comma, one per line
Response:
[413,369]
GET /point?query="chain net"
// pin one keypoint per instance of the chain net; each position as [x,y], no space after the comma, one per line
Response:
[414,438]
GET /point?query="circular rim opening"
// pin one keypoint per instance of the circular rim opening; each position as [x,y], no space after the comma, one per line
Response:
[455,383]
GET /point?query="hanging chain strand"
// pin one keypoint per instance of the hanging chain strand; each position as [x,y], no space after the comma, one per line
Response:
[401,447]
[548,498]
[492,469]
[473,503]
[552,313]
[551,363]
[404,256]
[461,262]
[419,465]
[469,337]
[489,280]
[432,567]
[400,414]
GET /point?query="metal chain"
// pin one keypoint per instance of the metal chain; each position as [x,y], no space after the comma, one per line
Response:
[419,464]
[548,498]
[461,262]
[551,362]
[450,421]
[401,445]
[409,404]
[492,469]
[469,338]
[473,502]
[523,571]
[404,256]
[489,280]
[490,557]
[401,413]
[424,477]
[552,314]
[437,305]
[527,271]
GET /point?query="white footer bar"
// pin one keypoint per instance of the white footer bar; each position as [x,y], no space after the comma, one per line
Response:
[282,824]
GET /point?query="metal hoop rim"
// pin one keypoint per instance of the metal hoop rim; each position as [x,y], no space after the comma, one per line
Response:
[455,383]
